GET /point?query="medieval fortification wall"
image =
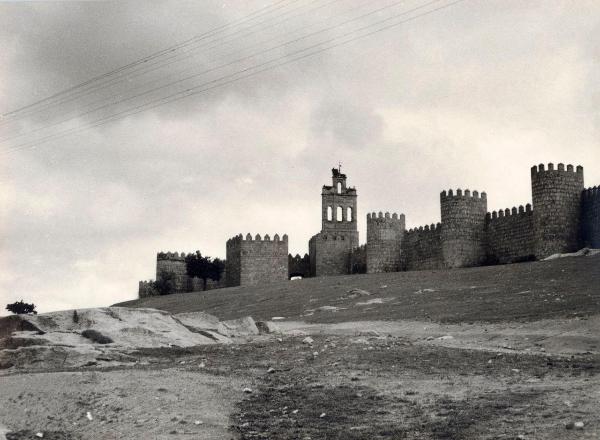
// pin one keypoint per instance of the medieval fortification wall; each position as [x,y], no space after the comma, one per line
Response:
[422,248]
[591,217]
[510,237]
[174,263]
[564,217]
[556,195]
[298,265]
[463,228]
[256,261]
[384,235]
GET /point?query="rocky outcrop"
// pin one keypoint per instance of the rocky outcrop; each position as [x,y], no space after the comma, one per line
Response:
[73,338]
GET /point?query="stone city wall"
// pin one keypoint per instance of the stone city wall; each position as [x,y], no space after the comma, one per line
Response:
[256,261]
[556,197]
[510,236]
[422,248]
[299,265]
[384,238]
[463,228]
[591,217]
[330,252]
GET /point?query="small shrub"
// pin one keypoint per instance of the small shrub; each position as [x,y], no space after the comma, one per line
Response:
[96,336]
[75,317]
[21,308]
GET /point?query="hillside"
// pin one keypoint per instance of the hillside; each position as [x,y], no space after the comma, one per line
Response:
[564,287]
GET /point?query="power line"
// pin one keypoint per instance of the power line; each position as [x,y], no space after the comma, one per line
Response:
[193,91]
[287,43]
[152,56]
[159,64]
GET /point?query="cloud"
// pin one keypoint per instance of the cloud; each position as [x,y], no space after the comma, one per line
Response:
[348,124]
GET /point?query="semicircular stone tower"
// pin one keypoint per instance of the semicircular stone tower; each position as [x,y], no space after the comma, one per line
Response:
[463,228]
[556,195]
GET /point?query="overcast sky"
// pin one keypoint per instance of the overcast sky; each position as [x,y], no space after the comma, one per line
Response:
[468,97]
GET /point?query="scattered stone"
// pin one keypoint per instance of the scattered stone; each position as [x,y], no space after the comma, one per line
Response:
[39,435]
[579,425]
[198,422]
[89,416]
[430,338]
[445,337]
[247,390]
[355,293]
[322,415]
[271,370]
[515,370]
[277,318]
[307,340]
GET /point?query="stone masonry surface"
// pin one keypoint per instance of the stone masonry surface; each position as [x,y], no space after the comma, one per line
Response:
[591,217]
[510,235]
[422,248]
[256,261]
[330,251]
[556,197]
[384,235]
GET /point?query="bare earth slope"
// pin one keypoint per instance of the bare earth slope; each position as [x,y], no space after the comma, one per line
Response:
[505,352]
[565,287]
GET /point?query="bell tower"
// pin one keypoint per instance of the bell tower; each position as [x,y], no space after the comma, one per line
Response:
[338,205]
[330,250]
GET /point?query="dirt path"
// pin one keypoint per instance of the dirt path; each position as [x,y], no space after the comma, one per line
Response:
[125,404]
[557,336]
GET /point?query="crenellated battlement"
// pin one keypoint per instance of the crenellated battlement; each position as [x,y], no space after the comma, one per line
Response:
[590,217]
[541,168]
[591,193]
[257,238]
[508,212]
[450,194]
[434,227]
[387,217]
[171,256]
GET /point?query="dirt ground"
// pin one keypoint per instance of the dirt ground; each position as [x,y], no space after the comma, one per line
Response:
[368,380]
